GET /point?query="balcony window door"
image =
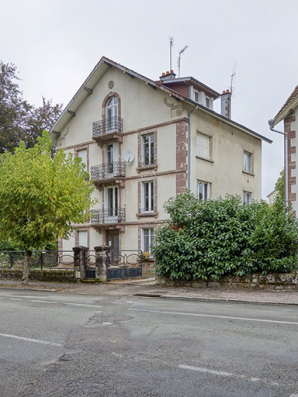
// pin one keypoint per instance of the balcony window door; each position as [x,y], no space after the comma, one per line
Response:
[147,150]
[111,204]
[112,115]
[110,160]
[112,167]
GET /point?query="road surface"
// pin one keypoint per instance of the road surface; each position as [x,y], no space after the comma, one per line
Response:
[55,344]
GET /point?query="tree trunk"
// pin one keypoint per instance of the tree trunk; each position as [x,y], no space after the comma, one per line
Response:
[26,267]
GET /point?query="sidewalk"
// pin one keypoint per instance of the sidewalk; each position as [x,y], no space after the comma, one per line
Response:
[147,288]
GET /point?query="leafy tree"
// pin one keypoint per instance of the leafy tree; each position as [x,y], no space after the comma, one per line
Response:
[20,121]
[41,198]
[280,185]
[219,237]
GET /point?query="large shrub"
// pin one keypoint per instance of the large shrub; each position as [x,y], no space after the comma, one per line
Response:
[219,237]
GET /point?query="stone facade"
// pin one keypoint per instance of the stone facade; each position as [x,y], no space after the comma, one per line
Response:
[285,282]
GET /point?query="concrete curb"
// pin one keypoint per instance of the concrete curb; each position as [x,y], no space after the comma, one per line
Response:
[214,300]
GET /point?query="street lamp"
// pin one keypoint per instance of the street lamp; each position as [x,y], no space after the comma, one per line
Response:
[271,125]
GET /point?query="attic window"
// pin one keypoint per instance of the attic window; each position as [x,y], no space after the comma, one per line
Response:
[207,102]
[196,96]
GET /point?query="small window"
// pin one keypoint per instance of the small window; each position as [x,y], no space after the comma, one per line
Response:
[247,197]
[247,162]
[207,102]
[147,197]
[203,146]
[196,96]
[203,190]
[147,150]
[147,240]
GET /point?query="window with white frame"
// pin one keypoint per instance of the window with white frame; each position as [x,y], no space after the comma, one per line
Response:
[111,121]
[147,196]
[247,197]
[203,190]
[83,239]
[147,149]
[147,240]
[83,155]
[203,146]
[207,102]
[247,162]
[196,96]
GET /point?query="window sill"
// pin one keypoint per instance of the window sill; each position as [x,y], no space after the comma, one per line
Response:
[248,173]
[146,167]
[203,158]
[147,214]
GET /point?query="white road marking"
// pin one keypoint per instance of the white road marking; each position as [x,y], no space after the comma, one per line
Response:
[40,301]
[31,340]
[65,303]
[222,373]
[80,304]
[15,299]
[214,316]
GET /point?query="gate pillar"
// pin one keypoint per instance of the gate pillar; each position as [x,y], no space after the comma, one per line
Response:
[80,257]
[101,268]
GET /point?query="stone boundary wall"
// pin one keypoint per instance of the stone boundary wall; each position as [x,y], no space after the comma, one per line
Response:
[282,282]
[40,275]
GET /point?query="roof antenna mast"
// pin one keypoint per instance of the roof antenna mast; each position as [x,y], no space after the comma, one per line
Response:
[179,59]
[233,76]
[171,46]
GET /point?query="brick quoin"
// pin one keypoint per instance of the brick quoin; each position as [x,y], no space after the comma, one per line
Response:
[181,156]
[290,150]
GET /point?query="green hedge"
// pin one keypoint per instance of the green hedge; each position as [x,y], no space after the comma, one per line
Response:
[219,237]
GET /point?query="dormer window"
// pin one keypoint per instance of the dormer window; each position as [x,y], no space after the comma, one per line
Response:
[196,96]
[207,102]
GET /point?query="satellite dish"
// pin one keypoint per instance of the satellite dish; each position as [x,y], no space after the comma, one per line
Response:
[128,156]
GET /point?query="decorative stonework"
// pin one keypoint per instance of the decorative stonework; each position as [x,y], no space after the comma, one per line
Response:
[111,84]
[61,139]
[179,108]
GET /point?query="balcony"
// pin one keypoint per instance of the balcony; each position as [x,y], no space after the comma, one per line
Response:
[110,216]
[108,172]
[107,129]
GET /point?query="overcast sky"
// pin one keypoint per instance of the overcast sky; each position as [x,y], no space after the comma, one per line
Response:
[56,43]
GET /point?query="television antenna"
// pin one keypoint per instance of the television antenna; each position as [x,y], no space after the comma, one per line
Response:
[233,77]
[128,156]
[171,46]
[179,59]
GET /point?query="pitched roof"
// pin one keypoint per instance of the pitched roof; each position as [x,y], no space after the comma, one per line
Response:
[290,104]
[101,67]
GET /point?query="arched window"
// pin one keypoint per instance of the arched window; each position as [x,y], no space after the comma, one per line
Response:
[112,108]
[112,114]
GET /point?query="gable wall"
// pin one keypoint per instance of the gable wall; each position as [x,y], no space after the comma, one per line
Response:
[225,170]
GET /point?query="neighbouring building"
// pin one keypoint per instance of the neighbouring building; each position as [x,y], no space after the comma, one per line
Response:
[145,141]
[289,115]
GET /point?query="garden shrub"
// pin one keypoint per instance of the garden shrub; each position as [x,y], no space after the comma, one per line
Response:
[220,237]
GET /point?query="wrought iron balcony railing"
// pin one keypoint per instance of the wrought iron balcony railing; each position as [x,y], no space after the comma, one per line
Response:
[107,126]
[108,171]
[108,216]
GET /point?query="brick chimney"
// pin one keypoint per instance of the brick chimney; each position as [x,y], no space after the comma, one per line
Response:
[167,76]
[226,103]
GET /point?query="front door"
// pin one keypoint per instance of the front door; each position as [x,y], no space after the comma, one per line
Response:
[113,243]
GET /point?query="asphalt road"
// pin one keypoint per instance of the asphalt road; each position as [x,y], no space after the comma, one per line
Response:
[53,344]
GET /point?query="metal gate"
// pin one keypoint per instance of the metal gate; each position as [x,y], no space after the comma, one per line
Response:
[90,268]
[124,264]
